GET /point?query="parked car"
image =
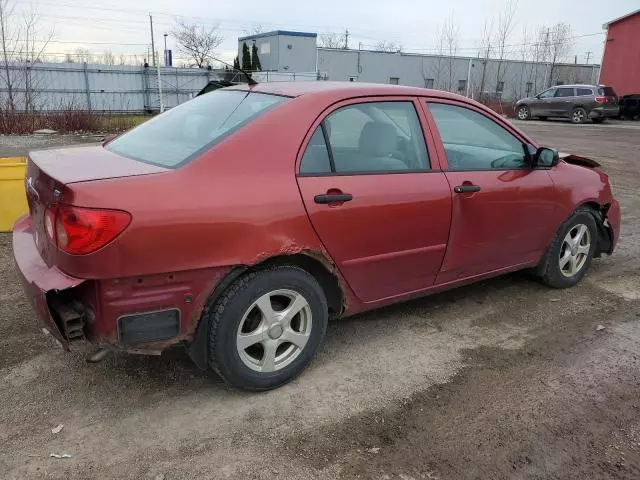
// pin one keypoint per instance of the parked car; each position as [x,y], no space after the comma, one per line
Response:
[576,102]
[240,222]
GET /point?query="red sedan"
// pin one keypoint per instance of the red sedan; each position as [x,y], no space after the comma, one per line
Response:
[239,222]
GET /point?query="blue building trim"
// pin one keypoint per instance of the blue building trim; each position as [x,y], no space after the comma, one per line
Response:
[277,32]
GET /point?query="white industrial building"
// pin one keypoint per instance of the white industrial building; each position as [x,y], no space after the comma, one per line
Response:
[297,53]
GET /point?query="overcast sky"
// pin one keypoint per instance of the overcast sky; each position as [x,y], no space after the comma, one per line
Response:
[122,26]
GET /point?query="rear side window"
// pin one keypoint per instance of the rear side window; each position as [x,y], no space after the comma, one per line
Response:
[606,91]
[565,92]
[585,92]
[182,133]
[372,137]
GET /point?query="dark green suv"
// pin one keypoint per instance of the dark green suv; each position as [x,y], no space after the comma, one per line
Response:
[576,102]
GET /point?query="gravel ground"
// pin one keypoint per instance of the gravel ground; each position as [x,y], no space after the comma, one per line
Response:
[501,379]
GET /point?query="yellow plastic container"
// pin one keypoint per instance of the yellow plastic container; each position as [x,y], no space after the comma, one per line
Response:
[13,200]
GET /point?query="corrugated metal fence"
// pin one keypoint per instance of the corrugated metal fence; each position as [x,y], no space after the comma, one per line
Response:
[53,86]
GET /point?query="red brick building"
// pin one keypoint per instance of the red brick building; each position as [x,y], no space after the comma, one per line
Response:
[621,61]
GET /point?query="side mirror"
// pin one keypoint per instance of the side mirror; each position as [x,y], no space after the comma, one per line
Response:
[546,157]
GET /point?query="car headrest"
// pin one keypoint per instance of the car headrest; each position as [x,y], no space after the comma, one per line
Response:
[378,139]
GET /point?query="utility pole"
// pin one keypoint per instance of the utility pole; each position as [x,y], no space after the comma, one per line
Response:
[153,45]
[346,39]
[546,53]
[588,56]
[157,65]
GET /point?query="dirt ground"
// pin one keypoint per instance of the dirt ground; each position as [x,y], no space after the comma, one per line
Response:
[502,379]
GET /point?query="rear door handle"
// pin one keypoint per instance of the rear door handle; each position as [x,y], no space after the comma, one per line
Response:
[333,198]
[466,188]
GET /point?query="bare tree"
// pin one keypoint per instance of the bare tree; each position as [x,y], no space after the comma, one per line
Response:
[122,59]
[485,51]
[331,40]
[20,48]
[83,55]
[503,34]
[108,58]
[449,38]
[9,37]
[254,29]
[197,41]
[388,46]
[559,45]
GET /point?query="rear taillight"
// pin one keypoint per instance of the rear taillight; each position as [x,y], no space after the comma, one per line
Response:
[79,231]
[601,99]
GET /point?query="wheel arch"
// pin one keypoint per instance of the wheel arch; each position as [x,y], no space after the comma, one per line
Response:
[314,263]
[599,213]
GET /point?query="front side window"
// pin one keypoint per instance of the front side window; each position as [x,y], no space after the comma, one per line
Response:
[547,93]
[564,92]
[376,137]
[182,133]
[475,142]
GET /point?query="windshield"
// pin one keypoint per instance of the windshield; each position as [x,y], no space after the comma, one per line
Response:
[182,133]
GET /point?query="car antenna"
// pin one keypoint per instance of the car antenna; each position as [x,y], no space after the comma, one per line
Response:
[250,80]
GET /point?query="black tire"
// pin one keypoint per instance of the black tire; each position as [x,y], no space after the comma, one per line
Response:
[597,120]
[524,113]
[578,115]
[549,269]
[543,118]
[226,314]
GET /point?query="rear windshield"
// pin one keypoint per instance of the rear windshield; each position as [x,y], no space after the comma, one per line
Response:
[606,91]
[182,133]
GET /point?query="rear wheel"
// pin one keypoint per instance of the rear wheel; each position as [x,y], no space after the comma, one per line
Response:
[266,328]
[524,113]
[571,251]
[579,115]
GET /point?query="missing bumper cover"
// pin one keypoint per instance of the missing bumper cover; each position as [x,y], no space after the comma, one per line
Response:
[148,327]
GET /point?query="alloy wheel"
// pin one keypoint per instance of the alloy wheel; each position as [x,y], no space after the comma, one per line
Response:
[574,251]
[274,330]
[579,116]
[523,113]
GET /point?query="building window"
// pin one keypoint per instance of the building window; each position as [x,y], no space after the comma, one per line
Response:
[394,80]
[462,85]
[265,48]
[353,78]
[428,83]
[529,88]
[500,87]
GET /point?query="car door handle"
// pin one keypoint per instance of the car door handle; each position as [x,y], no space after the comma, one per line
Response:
[333,198]
[466,188]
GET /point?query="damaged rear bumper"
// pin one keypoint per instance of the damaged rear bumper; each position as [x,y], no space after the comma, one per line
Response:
[38,280]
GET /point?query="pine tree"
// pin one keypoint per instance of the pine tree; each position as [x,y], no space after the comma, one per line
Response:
[255,59]
[246,58]
[236,63]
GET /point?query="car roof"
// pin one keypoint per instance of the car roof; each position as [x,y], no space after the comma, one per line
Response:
[580,85]
[341,89]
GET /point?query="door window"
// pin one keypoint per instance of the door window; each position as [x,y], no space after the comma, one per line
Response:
[584,92]
[565,92]
[475,142]
[376,137]
[547,93]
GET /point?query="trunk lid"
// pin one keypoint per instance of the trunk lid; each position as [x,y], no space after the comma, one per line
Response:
[51,174]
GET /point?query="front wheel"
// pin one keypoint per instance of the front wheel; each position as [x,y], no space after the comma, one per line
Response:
[524,113]
[266,328]
[571,251]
